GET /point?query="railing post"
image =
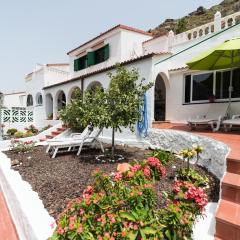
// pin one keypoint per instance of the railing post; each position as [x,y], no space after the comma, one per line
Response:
[217,21]
[170,40]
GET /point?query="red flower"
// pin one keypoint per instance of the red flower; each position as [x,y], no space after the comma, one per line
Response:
[153,162]
[147,172]
[117,177]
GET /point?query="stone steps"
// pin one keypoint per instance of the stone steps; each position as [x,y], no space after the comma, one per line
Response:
[54,133]
[228,221]
[231,188]
[228,213]
[233,165]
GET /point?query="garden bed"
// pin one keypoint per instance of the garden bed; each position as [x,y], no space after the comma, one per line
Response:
[65,177]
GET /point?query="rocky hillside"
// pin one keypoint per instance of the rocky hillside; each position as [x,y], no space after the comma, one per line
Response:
[196,18]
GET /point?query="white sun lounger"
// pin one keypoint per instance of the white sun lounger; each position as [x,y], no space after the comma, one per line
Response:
[235,121]
[214,116]
[72,137]
[71,145]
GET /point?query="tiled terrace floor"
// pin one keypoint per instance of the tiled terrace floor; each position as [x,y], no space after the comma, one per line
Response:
[232,139]
[7,228]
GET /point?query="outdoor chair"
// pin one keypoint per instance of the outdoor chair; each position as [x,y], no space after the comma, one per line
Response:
[214,117]
[72,137]
[71,145]
[235,121]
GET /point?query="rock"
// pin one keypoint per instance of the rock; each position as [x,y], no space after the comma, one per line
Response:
[201,10]
[15,162]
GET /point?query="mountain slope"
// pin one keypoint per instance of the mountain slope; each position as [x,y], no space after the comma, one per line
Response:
[196,18]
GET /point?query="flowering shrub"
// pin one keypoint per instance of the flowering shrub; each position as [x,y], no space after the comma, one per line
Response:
[193,176]
[32,129]
[163,156]
[22,147]
[191,153]
[123,205]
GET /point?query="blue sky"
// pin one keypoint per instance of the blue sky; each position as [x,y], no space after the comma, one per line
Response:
[43,31]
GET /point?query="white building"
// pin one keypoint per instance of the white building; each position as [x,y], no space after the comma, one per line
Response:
[178,93]
[36,100]
[15,100]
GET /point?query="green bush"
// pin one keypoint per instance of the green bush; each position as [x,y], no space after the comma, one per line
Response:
[11,131]
[22,147]
[193,176]
[19,134]
[163,156]
[32,129]
[28,134]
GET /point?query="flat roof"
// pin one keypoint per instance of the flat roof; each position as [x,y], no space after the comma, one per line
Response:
[111,29]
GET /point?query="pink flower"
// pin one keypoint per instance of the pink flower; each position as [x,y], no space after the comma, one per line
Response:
[117,177]
[153,162]
[60,231]
[80,229]
[81,211]
[107,235]
[140,193]
[147,172]
[135,168]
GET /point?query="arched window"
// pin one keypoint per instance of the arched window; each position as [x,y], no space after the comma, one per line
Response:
[39,99]
[29,100]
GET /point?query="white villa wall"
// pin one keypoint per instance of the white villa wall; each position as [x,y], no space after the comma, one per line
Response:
[157,45]
[145,72]
[54,75]
[14,100]
[131,44]
[175,110]
[35,84]
[124,45]
[114,41]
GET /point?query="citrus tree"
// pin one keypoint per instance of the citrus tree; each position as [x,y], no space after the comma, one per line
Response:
[124,98]
[116,108]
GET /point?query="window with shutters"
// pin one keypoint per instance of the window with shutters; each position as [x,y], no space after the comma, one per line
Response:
[80,63]
[92,58]
[101,54]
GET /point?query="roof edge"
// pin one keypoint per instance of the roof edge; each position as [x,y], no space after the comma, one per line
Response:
[121,26]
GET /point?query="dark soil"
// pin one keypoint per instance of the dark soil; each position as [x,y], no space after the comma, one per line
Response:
[65,177]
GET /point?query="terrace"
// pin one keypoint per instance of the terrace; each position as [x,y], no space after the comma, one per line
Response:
[228,214]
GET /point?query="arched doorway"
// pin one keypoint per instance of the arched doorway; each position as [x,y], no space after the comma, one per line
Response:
[49,106]
[61,100]
[73,93]
[160,99]
[93,86]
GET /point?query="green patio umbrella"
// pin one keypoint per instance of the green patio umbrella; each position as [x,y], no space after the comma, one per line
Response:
[224,56]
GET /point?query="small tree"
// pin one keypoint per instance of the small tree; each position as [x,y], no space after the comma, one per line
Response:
[114,108]
[124,98]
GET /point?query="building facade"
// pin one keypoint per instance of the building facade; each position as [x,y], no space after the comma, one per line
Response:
[178,93]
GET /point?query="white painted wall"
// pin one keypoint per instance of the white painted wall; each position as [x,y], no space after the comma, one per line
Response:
[175,110]
[36,82]
[157,45]
[123,44]
[14,100]
[131,44]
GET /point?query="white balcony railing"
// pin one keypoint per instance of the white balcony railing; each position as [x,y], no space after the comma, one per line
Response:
[218,24]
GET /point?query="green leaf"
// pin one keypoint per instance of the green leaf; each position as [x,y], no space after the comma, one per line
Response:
[143,234]
[149,230]
[127,216]
[132,235]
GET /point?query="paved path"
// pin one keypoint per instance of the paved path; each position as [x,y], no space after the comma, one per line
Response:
[7,228]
